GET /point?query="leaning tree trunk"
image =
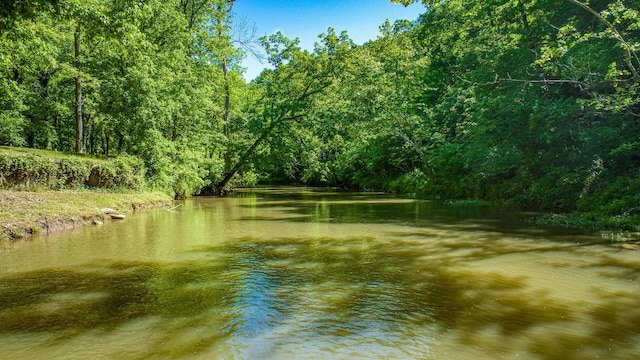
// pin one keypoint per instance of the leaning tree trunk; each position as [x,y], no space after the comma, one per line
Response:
[245,157]
[247,154]
[78,109]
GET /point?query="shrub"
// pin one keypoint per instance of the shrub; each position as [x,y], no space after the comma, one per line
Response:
[26,170]
[415,183]
[34,171]
[72,174]
[613,196]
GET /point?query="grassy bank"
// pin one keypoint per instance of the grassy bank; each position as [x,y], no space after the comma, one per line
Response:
[45,191]
[25,213]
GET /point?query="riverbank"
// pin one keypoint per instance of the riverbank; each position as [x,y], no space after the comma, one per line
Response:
[26,213]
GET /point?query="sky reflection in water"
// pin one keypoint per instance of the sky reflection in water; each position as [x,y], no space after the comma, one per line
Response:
[269,274]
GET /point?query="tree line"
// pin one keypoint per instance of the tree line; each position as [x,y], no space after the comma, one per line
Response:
[534,103]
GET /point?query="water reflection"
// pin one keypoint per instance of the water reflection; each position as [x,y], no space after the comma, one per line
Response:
[312,205]
[400,292]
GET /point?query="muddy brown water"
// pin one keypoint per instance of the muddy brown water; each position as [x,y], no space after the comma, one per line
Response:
[295,273]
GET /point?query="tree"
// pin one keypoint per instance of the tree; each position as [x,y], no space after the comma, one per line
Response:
[78,107]
[391,90]
[287,93]
[142,85]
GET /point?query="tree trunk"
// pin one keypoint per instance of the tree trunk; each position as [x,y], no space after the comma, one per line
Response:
[227,93]
[227,114]
[78,109]
[242,161]
[247,154]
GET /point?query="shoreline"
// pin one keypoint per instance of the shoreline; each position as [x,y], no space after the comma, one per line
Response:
[27,213]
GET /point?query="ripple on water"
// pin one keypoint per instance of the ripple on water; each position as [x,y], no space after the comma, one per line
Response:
[320,277]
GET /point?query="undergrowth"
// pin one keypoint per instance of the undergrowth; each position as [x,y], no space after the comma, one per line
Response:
[46,170]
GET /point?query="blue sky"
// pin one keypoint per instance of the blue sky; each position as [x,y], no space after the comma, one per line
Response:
[306,19]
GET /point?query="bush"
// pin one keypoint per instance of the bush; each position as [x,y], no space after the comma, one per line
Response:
[34,171]
[27,170]
[415,183]
[613,196]
[129,172]
[177,168]
[558,190]
[245,179]
[72,174]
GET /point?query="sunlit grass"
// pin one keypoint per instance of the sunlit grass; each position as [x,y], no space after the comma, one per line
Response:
[26,212]
[51,154]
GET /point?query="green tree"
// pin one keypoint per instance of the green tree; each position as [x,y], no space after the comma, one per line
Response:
[286,94]
[143,83]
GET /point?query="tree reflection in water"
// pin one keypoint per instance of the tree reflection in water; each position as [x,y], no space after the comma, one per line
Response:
[433,284]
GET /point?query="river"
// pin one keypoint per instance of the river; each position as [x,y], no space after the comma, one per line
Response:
[300,273]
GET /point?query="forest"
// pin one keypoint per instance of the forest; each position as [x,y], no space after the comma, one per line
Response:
[527,103]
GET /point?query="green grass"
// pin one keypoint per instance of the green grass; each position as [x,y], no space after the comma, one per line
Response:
[23,212]
[50,154]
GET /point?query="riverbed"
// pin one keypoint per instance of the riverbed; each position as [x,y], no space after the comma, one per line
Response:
[304,273]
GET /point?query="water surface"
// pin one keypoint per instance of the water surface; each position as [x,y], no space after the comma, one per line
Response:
[305,273]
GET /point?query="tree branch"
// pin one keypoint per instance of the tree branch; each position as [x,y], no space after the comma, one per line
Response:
[428,169]
[630,55]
